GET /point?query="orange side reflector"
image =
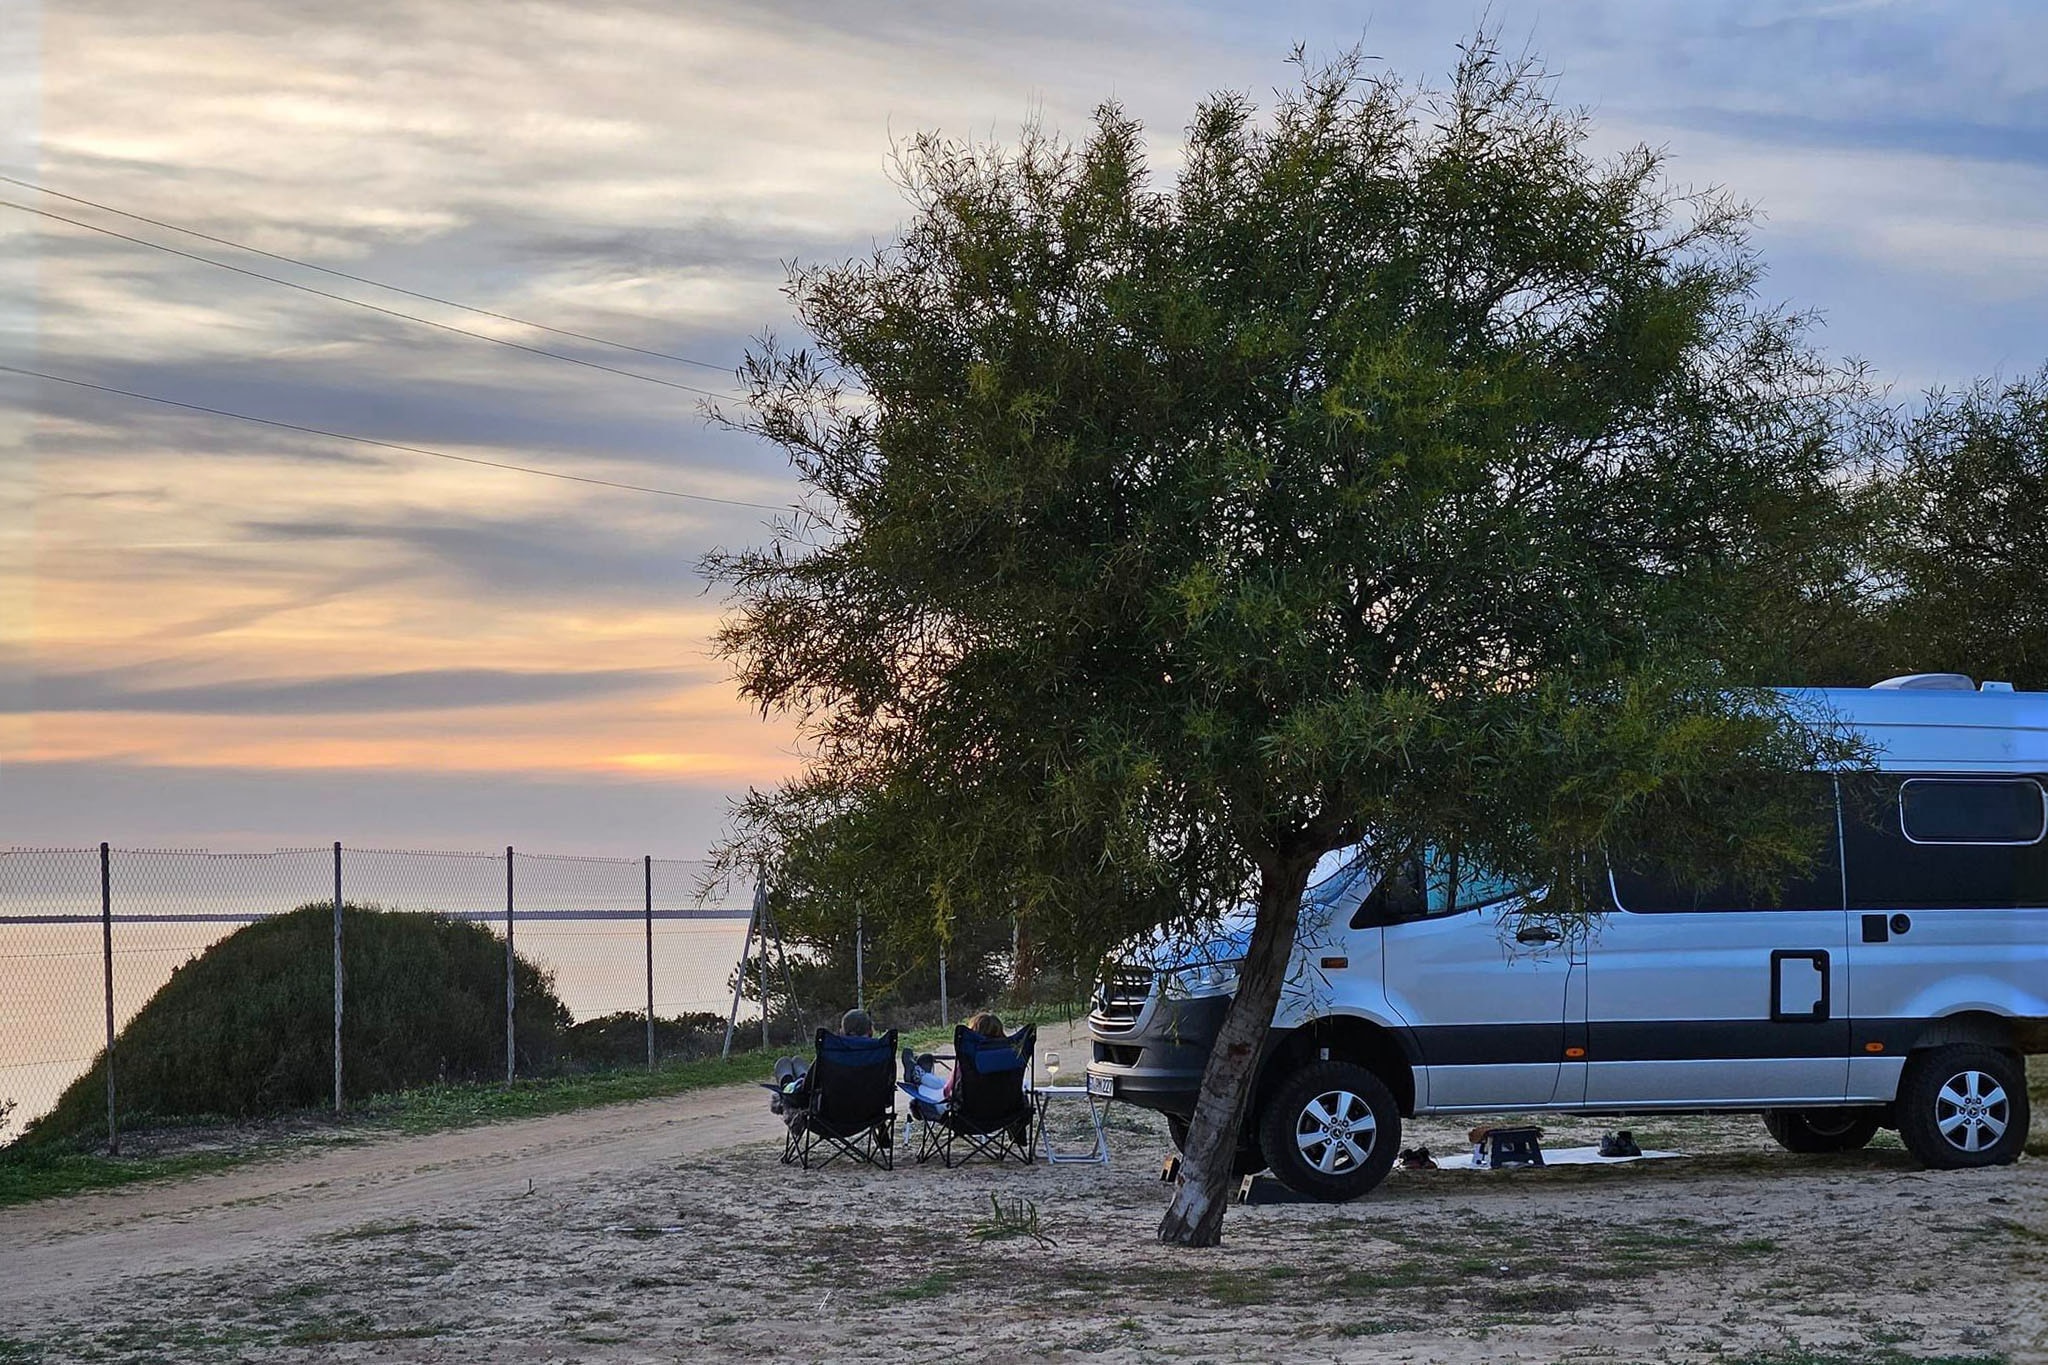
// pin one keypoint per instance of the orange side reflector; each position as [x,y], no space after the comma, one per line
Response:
[1575,1052]
[1336,962]
[1873,1047]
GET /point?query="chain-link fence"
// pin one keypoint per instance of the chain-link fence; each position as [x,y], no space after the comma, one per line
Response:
[88,936]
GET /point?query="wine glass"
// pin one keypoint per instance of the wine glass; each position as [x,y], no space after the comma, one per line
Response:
[1052,1067]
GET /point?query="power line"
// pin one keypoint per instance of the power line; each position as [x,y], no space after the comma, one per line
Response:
[361,279]
[373,307]
[390,445]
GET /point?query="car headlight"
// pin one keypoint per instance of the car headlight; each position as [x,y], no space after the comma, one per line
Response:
[1208,978]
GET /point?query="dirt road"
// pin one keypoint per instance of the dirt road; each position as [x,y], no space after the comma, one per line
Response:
[66,1249]
[666,1230]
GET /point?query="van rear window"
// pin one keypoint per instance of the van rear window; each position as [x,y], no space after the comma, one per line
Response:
[1925,843]
[1943,810]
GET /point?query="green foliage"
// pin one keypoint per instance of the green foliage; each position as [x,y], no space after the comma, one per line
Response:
[620,1039]
[1968,559]
[1400,471]
[247,1027]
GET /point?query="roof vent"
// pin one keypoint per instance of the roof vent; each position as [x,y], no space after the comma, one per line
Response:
[1930,682]
[1996,687]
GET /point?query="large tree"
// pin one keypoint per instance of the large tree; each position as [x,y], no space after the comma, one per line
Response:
[1398,472]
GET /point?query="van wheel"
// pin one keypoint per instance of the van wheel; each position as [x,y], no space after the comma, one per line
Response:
[1248,1160]
[1813,1131]
[1963,1105]
[1331,1130]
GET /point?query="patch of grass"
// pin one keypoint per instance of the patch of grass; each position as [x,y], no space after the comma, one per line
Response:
[1018,1218]
[435,1108]
[370,1231]
[30,1176]
[932,1286]
[1542,1298]
[1414,1274]
[1373,1327]
[1227,1287]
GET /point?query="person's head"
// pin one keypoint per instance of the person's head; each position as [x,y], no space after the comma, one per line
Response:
[986,1024]
[856,1024]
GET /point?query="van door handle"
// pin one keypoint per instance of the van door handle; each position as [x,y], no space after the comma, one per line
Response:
[1536,933]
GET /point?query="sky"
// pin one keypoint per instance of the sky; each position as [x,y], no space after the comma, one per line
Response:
[215,634]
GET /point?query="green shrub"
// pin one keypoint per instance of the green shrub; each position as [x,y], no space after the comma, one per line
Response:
[247,1028]
[613,1040]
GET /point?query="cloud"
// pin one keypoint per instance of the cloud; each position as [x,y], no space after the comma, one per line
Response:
[416,690]
[1949,139]
[533,559]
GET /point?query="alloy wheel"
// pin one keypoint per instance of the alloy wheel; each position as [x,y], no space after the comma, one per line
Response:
[1335,1131]
[1972,1111]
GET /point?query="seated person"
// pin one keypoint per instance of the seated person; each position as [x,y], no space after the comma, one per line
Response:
[790,1072]
[931,1088]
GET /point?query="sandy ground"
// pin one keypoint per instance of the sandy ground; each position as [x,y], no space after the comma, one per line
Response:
[668,1231]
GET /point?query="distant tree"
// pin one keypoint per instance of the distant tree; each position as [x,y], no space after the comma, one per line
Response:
[1967,551]
[1399,473]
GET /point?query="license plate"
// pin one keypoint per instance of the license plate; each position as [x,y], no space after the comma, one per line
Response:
[1104,1086]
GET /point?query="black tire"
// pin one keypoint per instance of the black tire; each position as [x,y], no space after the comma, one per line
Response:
[1341,1102]
[1811,1132]
[1249,1160]
[1977,1092]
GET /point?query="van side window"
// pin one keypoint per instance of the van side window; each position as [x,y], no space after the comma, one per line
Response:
[1650,889]
[1659,891]
[1905,848]
[1946,810]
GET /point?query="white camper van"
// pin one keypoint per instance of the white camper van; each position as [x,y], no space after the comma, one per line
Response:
[1900,984]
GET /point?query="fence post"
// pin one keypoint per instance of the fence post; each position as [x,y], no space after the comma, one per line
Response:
[107,970]
[511,1053]
[337,976]
[648,864]
[943,1021]
[739,977]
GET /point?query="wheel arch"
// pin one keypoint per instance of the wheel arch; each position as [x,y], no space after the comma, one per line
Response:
[1973,1026]
[1345,1038]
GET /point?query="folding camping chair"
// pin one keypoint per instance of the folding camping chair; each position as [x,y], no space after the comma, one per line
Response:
[990,1111]
[846,1104]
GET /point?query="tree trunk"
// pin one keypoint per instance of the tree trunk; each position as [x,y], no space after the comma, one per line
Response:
[1021,962]
[1195,1218]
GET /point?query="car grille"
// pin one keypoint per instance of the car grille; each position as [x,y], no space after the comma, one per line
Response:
[1123,993]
